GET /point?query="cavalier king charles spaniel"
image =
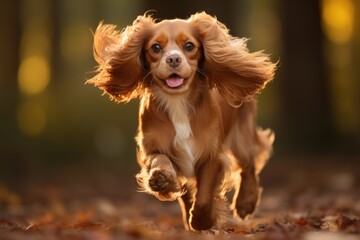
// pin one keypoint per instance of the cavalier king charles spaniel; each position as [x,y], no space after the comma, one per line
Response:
[197,137]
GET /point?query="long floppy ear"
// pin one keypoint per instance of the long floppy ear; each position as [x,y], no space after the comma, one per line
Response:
[120,70]
[228,65]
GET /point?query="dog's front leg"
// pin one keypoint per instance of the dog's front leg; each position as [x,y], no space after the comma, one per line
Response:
[208,178]
[160,179]
[185,202]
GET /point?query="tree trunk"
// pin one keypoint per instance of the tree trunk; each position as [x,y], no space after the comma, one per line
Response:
[10,162]
[9,54]
[306,113]
[356,64]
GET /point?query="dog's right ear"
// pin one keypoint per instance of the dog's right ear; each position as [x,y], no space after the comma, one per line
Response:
[120,71]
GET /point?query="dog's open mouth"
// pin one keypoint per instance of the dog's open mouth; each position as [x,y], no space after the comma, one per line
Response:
[174,81]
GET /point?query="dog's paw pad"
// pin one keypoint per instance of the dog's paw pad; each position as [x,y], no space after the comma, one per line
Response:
[160,181]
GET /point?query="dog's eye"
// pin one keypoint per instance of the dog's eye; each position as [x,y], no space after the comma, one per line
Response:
[156,48]
[189,46]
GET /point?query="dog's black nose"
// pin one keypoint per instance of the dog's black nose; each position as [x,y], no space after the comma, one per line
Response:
[173,60]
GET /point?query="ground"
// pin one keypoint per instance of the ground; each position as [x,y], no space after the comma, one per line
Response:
[301,200]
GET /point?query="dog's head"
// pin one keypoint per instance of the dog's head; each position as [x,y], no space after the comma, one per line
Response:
[172,54]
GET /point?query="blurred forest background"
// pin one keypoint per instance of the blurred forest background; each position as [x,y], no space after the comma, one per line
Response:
[50,120]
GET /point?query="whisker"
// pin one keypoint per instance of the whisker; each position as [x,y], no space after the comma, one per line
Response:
[150,72]
[198,70]
[201,72]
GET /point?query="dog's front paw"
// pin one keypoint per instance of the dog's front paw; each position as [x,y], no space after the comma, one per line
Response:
[164,184]
[160,181]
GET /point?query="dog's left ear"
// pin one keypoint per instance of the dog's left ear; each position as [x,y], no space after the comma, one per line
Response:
[228,65]
[118,54]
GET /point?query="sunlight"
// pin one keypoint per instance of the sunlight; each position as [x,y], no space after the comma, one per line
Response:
[338,19]
[33,75]
[34,70]
[31,118]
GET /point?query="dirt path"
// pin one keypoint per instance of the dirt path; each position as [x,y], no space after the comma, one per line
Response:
[308,205]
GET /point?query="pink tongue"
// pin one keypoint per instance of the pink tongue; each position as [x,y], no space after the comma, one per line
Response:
[174,82]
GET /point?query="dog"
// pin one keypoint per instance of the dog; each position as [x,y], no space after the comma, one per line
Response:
[197,137]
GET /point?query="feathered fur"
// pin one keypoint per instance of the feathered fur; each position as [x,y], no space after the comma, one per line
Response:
[197,137]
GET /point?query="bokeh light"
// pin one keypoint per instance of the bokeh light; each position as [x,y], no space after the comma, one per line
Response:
[33,75]
[34,70]
[338,18]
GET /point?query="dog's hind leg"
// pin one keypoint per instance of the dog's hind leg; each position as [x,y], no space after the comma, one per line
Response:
[251,147]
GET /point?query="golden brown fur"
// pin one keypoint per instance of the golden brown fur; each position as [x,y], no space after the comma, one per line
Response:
[197,137]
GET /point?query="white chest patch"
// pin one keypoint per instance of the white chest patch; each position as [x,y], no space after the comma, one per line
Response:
[179,116]
[183,142]
[183,139]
